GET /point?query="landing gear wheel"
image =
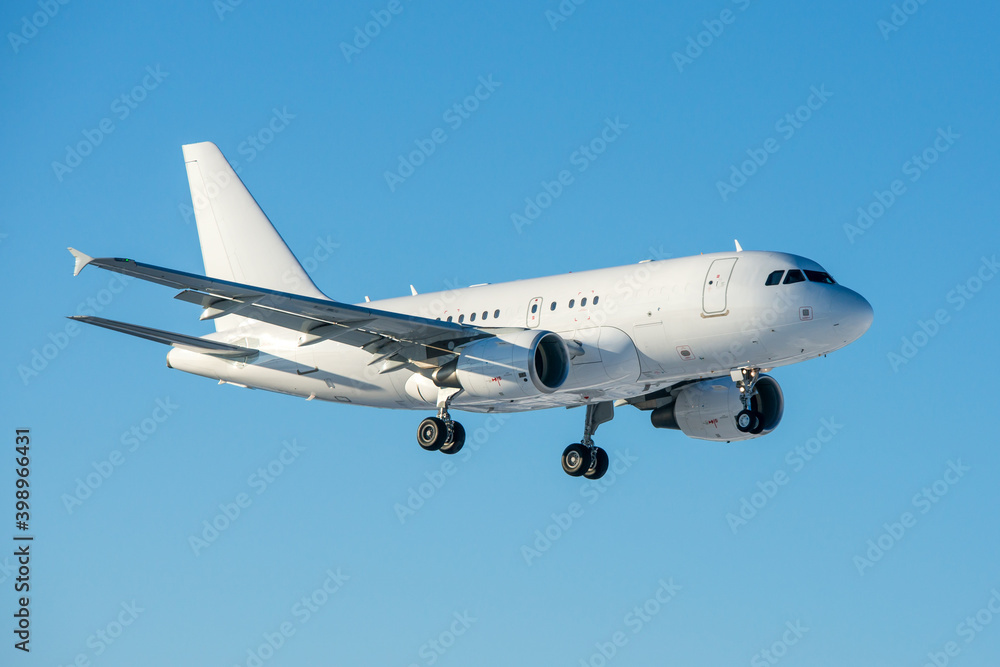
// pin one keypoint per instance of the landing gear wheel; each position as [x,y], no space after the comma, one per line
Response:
[600,465]
[431,433]
[746,421]
[758,426]
[576,459]
[457,439]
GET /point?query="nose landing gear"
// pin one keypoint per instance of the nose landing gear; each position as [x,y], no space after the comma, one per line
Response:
[748,420]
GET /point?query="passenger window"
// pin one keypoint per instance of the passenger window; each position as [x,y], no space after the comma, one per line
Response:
[596,298]
[472,317]
[774,278]
[820,277]
[496,314]
[461,318]
[572,302]
[449,318]
[583,302]
[552,306]
[485,314]
[794,276]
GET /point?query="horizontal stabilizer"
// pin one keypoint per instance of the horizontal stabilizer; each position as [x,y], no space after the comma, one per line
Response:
[183,341]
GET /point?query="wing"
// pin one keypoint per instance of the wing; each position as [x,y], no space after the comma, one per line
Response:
[387,335]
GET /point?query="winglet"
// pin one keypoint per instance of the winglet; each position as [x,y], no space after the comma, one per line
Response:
[739,248]
[82,260]
[413,290]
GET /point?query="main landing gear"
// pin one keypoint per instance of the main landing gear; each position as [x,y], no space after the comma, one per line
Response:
[441,433]
[748,420]
[581,459]
[585,458]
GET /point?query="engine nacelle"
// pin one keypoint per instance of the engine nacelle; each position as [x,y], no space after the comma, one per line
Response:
[509,366]
[707,410]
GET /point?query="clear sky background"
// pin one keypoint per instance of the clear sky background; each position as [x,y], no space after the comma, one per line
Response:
[454,583]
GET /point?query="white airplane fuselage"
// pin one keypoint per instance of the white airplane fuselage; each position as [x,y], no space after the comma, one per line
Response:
[633,329]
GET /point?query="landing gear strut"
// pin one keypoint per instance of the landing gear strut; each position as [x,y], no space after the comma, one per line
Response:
[585,458]
[748,420]
[441,433]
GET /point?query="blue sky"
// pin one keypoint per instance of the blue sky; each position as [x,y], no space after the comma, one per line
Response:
[850,109]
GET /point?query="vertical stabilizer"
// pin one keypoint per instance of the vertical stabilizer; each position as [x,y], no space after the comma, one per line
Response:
[238,242]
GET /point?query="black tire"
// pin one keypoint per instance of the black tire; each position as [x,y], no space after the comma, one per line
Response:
[575,459]
[745,421]
[431,434]
[601,466]
[758,425]
[457,439]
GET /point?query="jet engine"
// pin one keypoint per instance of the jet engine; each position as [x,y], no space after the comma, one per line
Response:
[508,366]
[707,410]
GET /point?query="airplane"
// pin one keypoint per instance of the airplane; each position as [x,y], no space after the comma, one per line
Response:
[687,339]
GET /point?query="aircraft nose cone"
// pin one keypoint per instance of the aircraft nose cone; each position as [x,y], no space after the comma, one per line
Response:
[854,315]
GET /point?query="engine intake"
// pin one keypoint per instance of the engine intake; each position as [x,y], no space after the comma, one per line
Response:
[509,365]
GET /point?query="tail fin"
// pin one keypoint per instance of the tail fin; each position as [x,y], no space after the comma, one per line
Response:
[238,242]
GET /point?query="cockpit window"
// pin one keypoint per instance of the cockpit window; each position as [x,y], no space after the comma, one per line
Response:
[774,278]
[820,277]
[794,276]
